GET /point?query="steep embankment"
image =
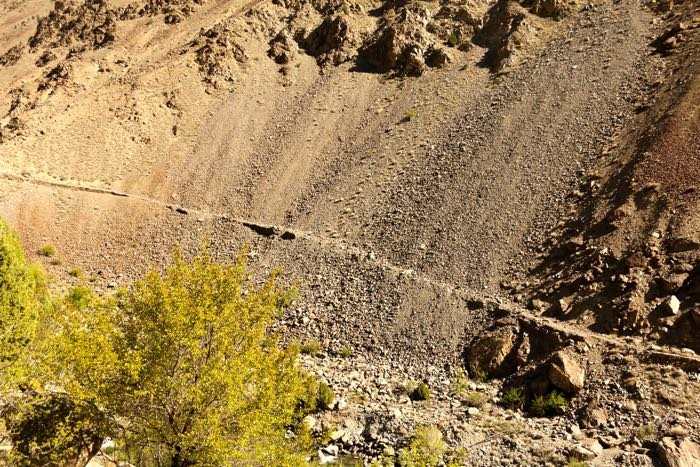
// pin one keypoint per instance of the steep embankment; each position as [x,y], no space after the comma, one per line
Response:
[200,114]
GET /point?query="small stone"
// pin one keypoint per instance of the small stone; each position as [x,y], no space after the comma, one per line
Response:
[672,305]
[678,431]
[592,445]
[341,404]
[582,453]
[576,432]
[473,411]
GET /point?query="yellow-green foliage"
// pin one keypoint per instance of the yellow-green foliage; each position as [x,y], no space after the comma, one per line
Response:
[325,396]
[52,429]
[186,364]
[47,250]
[22,286]
[427,449]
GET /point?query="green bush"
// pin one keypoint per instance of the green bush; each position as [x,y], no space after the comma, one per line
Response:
[513,399]
[80,297]
[325,396]
[453,40]
[311,348]
[551,404]
[47,250]
[77,273]
[475,399]
[345,352]
[460,383]
[420,393]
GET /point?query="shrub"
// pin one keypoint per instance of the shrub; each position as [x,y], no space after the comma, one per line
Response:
[56,261]
[475,399]
[513,399]
[345,352]
[427,448]
[551,404]
[77,273]
[22,297]
[47,250]
[647,431]
[420,393]
[576,462]
[53,429]
[80,297]
[453,40]
[478,375]
[410,115]
[325,396]
[186,368]
[459,385]
[311,348]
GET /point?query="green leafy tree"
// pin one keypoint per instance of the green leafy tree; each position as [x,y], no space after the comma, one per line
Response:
[186,366]
[22,289]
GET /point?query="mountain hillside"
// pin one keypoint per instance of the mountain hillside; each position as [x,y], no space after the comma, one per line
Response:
[487,185]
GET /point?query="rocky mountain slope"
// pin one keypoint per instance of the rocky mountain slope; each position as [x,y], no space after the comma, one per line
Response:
[508,187]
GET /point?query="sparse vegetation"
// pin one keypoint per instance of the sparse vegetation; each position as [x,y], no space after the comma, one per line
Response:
[47,251]
[576,462]
[56,261]
[345,352]
[478,375]
[475,399]
[77,273]
[647,431]
[460,383]
[311,348]
[325,396]
[420,393]
[551,404]
[513,399]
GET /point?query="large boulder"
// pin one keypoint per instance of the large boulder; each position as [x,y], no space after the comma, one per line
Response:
[331,42]
[489,354]
[565,373]
[403,44]
[678,453]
